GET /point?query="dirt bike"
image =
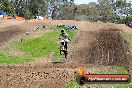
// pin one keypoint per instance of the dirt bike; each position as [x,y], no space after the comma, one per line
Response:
[63,48]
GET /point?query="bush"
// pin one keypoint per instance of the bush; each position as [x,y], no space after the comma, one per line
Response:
[28,15]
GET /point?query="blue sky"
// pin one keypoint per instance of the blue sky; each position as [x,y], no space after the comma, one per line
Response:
[86,1]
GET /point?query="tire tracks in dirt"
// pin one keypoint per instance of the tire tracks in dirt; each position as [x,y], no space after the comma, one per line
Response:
[103,47]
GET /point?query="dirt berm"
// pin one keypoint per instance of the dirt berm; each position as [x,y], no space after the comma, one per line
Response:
[102,47]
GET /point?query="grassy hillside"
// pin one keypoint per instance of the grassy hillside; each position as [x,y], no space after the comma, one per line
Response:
[34,47]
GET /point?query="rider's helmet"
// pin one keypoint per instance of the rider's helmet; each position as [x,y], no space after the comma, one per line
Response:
[62,30]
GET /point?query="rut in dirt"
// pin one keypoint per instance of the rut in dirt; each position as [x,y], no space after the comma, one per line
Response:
[104,47]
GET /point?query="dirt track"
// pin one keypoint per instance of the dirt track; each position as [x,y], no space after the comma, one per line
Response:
[33,77]
[95,44]
[104,47]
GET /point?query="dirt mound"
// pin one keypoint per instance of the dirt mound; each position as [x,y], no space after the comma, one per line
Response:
[8,34]
[104,47]
[12,29]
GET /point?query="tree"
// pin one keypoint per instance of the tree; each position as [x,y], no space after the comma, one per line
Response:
[7,7]
[82,12]
[121,3]
[28,14]
[93,9]
[66,10]
[36,7]
[105,10]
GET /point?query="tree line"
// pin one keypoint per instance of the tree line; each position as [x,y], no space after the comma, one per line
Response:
[103,10]
[115,11]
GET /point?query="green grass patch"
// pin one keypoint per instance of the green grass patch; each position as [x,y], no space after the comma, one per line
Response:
[34,48]
[72,84]
[39,46]
[5,59]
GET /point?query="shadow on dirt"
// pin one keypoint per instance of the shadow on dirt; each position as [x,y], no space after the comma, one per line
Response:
[108,48]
